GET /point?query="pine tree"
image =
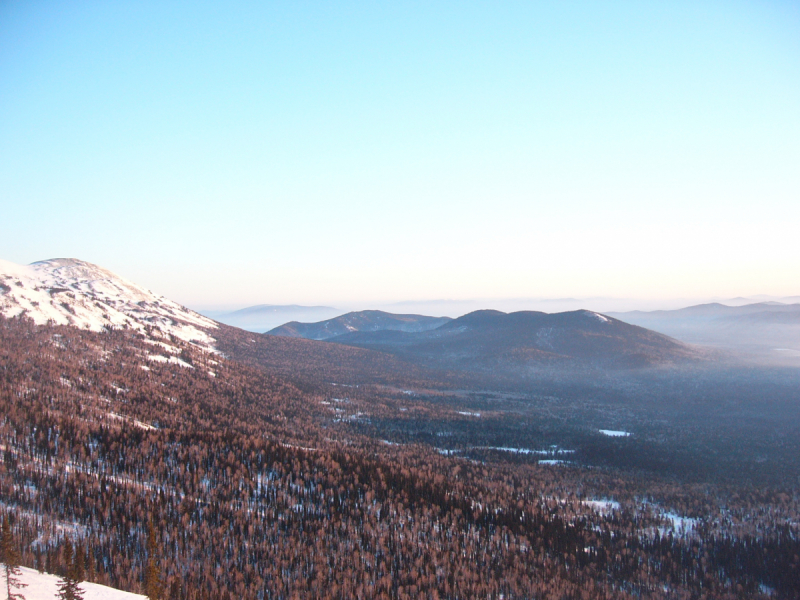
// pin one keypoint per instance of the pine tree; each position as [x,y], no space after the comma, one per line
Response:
[153,585]
[78,571]
[69,585]
[9,555]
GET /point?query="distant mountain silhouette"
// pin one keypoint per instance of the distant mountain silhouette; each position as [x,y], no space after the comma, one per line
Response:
[760,328]
[496,341]
[264,317]
[714,310]
[365,320]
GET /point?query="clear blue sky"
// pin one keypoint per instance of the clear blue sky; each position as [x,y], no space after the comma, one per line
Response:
[235,153]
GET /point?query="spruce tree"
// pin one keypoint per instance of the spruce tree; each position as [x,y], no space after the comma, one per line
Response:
[153,585]
[69,585]
[9,555]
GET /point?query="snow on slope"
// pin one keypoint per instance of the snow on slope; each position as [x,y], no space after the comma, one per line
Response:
[42,586]
[67,291]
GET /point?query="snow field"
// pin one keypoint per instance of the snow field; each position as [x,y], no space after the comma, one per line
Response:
[43,586]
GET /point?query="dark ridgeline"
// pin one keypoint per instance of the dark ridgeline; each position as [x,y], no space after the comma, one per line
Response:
[512,343]
[254,491]
[365,320]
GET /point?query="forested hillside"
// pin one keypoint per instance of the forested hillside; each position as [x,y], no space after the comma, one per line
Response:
[258,489]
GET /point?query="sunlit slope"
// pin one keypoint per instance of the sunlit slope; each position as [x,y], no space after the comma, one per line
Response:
[68,291]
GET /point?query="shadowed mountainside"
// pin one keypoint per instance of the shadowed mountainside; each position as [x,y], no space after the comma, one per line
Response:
[492,340]
[322,361]
[364,320]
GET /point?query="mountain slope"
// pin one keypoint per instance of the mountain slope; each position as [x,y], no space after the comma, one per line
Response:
[365,320]
[76,293]
[68,291]
[492,340]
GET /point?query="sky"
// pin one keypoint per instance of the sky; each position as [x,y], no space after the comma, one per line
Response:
[236,153]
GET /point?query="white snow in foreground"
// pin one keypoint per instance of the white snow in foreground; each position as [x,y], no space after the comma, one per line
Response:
[614,433]
[554,462]
[43,586]
[467,413]
[67,291]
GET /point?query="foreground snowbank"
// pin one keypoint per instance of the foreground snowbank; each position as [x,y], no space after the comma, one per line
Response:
[43,586]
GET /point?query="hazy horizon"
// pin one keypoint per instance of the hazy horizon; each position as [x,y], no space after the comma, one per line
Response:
[458,307]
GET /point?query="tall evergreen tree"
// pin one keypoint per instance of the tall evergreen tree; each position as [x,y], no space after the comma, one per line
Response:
[69,585]
[153,584]
[9,555]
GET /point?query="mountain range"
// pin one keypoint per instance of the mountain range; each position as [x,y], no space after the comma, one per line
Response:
[768,329]
[489,340]
[74,292]
[365,320]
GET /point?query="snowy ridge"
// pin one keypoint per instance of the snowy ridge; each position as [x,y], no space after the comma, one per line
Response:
[598,316]
[68,291]
[43,586]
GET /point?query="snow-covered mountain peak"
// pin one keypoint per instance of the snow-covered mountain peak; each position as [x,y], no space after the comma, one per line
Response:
[68,291]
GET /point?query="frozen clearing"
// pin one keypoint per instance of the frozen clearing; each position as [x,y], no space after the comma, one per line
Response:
[614,433]
[602,506]
[551,452]
[679,523]
[446,452]
[42,586]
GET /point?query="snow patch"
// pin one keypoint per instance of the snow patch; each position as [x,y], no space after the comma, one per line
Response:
[43,586]
[614,433]
[680,524]
[173,360]
[551,452]
[602,506]
[137,423]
